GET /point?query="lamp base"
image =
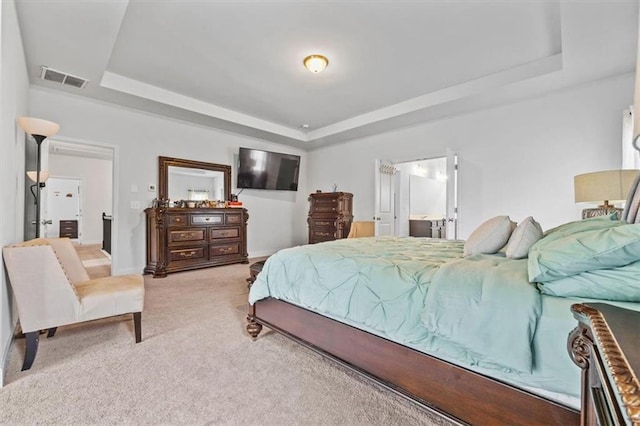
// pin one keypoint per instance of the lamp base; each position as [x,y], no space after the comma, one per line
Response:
[601,211]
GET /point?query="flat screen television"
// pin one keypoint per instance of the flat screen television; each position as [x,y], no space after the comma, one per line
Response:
[268,170]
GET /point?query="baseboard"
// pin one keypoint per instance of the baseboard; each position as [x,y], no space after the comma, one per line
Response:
[128,271]
[5,355]
[261,253]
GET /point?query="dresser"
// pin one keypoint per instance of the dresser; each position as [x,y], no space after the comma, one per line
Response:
[330,216]
[428,228]
[181,239]
[605,345]
[68,228]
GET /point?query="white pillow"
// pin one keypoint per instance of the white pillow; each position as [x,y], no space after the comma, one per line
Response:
[525,235]
[489,237]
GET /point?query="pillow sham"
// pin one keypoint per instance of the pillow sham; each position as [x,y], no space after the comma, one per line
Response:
[489,237]
[554,258]
[526,234]
[598,222]
[619,284]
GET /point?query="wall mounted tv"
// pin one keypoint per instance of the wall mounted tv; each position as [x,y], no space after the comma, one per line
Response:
[268,170]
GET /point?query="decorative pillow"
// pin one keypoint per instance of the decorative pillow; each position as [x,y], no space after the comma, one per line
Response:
[526,234]
[489,237]
[598,222]
[621,284]
[551,259]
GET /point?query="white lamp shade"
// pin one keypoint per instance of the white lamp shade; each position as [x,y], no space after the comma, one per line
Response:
[44,175]
[315,63]
[38,126]
[608,185]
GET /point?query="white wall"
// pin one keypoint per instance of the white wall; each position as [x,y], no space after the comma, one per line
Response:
[277,218]
[517,159]
[96,175]
[14,91]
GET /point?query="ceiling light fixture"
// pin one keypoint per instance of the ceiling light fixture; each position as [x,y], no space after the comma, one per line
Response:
[315,63]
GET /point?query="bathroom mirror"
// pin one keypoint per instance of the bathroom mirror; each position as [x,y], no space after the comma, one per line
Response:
[193,180]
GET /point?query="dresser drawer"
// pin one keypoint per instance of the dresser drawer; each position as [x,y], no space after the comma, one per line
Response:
[233,218]
[324,234]
[224,233]
[190,235]
[324,206]
[322,223]
[188,254]
[178,219]
[207,219]
[224,249]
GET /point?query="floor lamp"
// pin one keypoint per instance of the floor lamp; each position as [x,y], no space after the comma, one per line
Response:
[40,130]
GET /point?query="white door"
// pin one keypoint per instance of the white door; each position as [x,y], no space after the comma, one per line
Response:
[452,195]
[63,202]
[384,198]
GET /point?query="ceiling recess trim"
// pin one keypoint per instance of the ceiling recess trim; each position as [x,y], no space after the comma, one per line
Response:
[130,86]
[516,74]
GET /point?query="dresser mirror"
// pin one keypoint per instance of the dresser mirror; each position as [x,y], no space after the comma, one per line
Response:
[193,180]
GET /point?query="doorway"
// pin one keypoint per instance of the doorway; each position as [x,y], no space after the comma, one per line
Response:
[424,196]
[91,168]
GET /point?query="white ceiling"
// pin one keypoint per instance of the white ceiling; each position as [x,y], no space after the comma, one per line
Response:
[237,65]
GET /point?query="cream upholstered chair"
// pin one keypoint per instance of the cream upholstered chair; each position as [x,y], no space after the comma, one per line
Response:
[53,289]
[362,229]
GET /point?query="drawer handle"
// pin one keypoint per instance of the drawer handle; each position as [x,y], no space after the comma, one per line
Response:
[177,219]
[324,234]
[226,250]
[207,219]
[191,253]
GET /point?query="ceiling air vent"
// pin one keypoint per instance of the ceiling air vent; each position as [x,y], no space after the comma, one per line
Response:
[56,76]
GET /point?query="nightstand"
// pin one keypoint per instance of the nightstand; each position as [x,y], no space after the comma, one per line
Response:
[606,345]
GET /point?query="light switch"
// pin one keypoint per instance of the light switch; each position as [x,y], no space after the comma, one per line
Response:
[134,188]
[135,204]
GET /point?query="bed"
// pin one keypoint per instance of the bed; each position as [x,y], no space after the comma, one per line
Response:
[471,336]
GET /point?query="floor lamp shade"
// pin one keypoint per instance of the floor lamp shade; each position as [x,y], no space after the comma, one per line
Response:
[38,126]
[33,175]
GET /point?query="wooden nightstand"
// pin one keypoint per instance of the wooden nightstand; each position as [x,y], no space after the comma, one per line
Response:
[606,345]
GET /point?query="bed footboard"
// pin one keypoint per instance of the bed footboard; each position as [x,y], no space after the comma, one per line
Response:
[436,384]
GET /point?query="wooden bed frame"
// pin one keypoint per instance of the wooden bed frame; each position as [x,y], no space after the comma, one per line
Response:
[458,393]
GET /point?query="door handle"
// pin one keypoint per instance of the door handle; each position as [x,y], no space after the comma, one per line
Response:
[47,222]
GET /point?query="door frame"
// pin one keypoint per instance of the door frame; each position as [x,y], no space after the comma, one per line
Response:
[115,202]
[80,217]
[448,154]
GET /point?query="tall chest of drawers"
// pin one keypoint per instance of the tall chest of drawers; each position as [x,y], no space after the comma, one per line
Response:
[330,216]
[180,239]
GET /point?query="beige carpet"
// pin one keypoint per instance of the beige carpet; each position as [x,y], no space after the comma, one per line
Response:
[195,365]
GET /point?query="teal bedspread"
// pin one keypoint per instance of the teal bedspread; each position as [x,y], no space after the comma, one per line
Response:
[479,312]
[377,282]
[485,304]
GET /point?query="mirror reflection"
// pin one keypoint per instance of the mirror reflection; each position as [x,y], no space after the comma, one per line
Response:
[186,183]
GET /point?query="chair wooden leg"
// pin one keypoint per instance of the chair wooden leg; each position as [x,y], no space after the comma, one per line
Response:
[137,325]
[32,348]
[51,332]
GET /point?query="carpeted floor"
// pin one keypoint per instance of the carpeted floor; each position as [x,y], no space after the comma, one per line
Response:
[195,365]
